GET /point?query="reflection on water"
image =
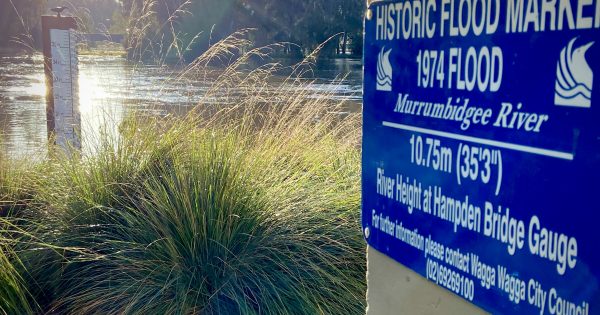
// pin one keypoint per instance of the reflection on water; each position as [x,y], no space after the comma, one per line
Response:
[22,105]
[110,88]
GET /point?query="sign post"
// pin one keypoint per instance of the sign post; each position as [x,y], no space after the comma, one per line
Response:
[481,148]
[61,70]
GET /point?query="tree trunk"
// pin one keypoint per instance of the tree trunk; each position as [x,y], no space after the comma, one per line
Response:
[344,43]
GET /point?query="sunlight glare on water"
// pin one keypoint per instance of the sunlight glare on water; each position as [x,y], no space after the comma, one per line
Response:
[110,88]
[100,113]
[22,105]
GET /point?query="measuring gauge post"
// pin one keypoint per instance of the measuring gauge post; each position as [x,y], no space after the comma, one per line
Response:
[61,70]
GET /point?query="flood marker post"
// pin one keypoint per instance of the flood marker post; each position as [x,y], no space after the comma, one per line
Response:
[61,71]
[481,156]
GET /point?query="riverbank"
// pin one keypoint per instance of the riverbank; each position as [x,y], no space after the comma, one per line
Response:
[102,53]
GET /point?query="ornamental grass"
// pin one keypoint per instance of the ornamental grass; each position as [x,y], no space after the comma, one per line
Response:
[248,204]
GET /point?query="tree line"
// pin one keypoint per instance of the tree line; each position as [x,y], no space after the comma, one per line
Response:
[195,24]
[156,26]
[20,23]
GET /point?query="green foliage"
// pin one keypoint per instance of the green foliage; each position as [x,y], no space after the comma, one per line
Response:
[17,184]
[248,205]
[95,16]
[193,25]
[220,224]
[20,20]
[119,23]
[14,298]
[20,23]
[188,27]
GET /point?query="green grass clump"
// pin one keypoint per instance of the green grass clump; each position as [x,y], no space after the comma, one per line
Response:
[220,222]
[14,297]
[248,205]
[215,224]
[17,180]
[17,184]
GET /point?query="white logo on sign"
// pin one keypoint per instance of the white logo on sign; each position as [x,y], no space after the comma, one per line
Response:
[574,77]
[384,71]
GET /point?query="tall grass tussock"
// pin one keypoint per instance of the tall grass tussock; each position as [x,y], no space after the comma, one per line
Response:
[249,204]
[14,297]
[15,194]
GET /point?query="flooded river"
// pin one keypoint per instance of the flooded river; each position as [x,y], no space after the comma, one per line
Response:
[110,88]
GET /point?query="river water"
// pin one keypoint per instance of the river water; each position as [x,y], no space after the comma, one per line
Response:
[110,88]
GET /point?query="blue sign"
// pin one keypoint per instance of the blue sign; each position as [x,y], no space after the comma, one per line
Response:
[481,150]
